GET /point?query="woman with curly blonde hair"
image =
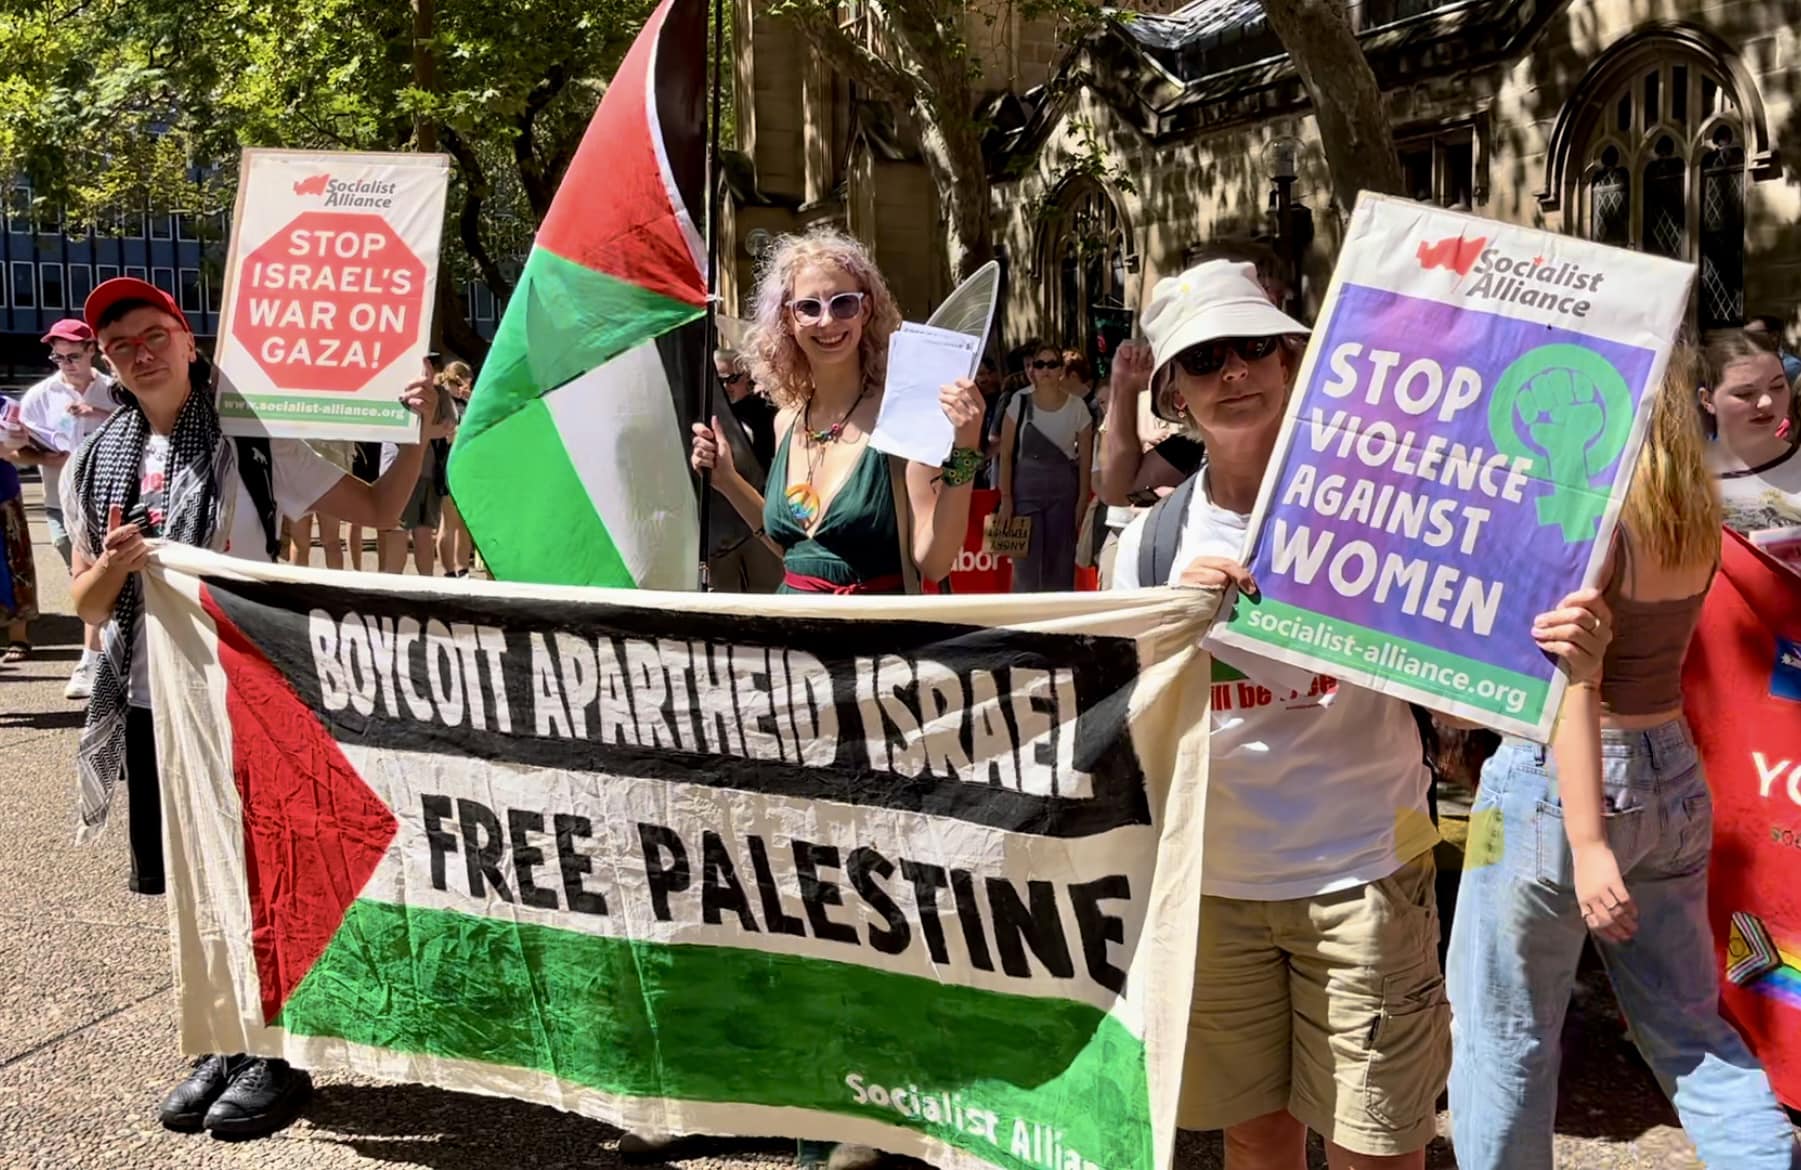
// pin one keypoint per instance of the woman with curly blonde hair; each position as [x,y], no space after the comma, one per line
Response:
[845,518]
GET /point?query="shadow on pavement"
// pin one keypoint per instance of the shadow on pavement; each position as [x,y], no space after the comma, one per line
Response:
[44,720]
[59,630]
[422,1126]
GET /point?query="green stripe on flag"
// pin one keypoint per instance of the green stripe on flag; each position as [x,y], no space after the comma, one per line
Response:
[562,321]
[516,477]
[722,1024]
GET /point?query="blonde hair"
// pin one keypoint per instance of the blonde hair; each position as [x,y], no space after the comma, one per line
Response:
[456,372]
[776,361]
[1673,507]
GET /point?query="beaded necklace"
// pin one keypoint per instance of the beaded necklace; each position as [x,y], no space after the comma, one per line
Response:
[803,498]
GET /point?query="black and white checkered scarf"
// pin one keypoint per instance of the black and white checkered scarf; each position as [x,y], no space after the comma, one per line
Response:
[106,474]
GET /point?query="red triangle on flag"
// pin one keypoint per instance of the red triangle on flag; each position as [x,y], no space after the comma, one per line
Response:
[313,830]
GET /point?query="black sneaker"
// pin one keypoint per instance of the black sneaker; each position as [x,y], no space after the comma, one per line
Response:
[184,1109]
[264,1096]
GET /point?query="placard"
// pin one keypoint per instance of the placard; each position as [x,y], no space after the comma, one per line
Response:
[1462,430]
[1012,539]
[329,289]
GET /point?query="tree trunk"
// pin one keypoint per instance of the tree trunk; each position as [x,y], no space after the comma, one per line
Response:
[953,156]
[452,317]
[1347,101]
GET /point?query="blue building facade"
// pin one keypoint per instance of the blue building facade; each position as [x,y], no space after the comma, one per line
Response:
[48,267]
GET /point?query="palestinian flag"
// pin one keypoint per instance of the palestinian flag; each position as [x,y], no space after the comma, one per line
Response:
[570,466]
[694,863]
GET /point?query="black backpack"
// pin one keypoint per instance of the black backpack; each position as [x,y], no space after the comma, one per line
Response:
[256,468]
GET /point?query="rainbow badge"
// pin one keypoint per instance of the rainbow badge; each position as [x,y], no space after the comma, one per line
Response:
[1750,951]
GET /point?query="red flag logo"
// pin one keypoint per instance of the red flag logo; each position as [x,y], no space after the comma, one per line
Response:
[1457,253]
[312,185]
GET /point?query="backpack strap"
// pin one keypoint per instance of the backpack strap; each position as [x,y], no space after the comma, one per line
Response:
[903,521]
[256,469]
[1019,428]
[1162,533]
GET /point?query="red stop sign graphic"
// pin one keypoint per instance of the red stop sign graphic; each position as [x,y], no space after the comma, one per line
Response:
[329,301]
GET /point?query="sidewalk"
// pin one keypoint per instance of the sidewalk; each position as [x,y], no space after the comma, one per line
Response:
[87,1017]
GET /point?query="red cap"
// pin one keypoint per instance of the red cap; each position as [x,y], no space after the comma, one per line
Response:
[128,288]
[68,329]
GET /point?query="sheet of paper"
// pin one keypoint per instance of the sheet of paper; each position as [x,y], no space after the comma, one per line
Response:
[921,359]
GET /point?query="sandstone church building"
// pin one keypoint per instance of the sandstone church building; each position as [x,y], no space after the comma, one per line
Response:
[1653,124]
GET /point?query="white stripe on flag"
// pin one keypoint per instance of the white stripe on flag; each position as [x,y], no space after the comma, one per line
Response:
[618,424]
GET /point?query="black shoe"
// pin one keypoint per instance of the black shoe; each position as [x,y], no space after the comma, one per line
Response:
[264,1096]
[184,1109]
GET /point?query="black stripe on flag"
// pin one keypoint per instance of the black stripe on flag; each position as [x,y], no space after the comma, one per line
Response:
[331,643]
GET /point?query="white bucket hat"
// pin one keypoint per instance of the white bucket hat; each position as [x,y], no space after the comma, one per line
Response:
[1221,298]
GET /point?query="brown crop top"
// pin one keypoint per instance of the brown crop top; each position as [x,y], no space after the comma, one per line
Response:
[1641,673]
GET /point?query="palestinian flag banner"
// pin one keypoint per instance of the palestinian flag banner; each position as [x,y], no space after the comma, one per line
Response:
[570,466]
[921,873]
[1741,685]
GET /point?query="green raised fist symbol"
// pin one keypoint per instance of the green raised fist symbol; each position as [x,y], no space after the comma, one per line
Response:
[1569,411]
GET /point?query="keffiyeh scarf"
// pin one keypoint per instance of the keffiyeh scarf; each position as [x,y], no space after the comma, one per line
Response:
[106,473]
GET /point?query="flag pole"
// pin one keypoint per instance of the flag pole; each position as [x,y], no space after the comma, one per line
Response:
[715,207]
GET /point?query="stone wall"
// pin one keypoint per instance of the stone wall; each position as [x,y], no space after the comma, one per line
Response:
[1192,190]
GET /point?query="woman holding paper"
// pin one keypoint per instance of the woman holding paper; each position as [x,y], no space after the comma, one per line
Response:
[846,518]
[1608,834]
[1047,460]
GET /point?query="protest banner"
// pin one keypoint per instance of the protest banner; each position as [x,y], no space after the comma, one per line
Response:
[328,293]
[1741,686]
[916,872]
[1463,426]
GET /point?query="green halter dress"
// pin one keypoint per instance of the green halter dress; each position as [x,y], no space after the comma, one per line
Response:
[855,546]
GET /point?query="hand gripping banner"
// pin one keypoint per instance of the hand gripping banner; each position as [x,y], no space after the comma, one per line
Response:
[921,873]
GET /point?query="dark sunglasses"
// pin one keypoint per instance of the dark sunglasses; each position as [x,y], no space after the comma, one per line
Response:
[733,379]
[1053,364]
[812,310]
[1209,357]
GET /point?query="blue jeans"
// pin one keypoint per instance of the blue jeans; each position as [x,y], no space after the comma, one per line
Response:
[1518,934]
[59,535]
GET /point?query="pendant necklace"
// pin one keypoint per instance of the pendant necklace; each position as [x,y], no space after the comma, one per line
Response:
[803,498]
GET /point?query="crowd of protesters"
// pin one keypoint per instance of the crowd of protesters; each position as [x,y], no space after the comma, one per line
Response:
[1319,1002]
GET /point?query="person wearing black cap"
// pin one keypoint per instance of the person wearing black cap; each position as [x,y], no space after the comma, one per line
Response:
[160,468]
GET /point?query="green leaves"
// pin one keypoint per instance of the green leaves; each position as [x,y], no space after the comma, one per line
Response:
[114,103]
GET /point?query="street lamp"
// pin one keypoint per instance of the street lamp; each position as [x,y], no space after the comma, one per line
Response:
[1281,161]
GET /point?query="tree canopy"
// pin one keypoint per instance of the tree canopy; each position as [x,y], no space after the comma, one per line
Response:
[109,104]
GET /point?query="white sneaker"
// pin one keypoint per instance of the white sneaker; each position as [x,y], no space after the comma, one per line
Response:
[81,682]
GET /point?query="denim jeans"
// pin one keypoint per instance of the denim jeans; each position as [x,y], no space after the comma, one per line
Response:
[59,535]
[1517,937]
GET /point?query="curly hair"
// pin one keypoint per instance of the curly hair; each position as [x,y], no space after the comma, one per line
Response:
[777,362]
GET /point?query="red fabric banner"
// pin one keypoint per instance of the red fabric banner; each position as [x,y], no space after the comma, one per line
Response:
[1742,694]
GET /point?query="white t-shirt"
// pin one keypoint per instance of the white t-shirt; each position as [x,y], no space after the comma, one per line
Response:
[1060,426]
[1309,791]
[44,411]
[301,478]
[1764,500]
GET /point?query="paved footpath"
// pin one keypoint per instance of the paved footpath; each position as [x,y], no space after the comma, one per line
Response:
[87,1018]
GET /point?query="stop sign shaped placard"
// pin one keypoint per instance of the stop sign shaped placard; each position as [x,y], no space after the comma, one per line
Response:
[329,301]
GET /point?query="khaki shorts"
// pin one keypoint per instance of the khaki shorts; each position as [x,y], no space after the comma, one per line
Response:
[1332,1008]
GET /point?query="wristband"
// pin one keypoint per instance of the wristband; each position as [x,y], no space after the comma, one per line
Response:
[961,465]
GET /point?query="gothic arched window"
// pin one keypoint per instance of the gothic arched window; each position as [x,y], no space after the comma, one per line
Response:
[1659,162]
[1086,258]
